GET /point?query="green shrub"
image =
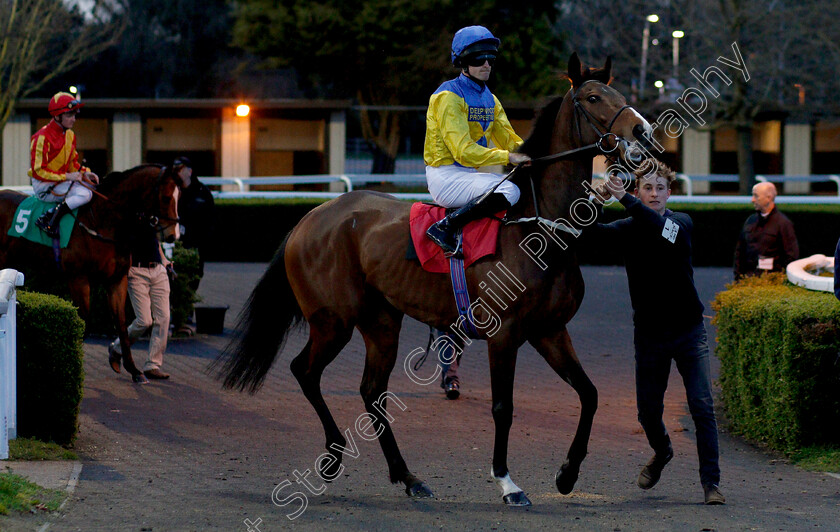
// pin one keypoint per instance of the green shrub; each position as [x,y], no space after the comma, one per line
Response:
[182,296]
[50,372]
[99,321]
[250,230]
[717,227]
[778,348]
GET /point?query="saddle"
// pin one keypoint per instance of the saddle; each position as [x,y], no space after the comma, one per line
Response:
[23,225]
[480,238]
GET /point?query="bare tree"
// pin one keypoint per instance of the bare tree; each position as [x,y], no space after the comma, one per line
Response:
[789,49]
[42,39]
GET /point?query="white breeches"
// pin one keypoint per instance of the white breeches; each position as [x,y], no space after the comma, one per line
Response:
[70,192]
[454,186]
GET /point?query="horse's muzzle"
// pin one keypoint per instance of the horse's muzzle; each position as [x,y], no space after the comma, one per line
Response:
[633,153]
[642,137]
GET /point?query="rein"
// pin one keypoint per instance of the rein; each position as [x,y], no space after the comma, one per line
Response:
[153,220]
[590,150]
[90,186]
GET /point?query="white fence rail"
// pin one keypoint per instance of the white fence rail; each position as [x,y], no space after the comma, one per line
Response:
[239,187]
[9,279]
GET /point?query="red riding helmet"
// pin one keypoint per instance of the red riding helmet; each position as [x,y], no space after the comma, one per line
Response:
[63,102]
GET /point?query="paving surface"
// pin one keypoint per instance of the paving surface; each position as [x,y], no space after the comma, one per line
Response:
[186,455]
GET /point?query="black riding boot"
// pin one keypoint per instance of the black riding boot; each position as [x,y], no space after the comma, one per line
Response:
[48,222]
[443,232]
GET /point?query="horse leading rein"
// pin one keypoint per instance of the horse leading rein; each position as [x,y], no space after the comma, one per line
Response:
[153,220]
[585,151]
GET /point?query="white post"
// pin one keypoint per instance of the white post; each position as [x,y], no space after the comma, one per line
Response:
[126,141]
[236,144]
[337,147]
[4,425]
[697,157]
[797,156]
[16,150]
[9,279]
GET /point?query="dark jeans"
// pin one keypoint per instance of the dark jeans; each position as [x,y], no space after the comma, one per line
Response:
[653,365]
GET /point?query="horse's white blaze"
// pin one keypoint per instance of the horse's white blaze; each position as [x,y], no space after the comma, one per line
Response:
[505,483]
[648,128]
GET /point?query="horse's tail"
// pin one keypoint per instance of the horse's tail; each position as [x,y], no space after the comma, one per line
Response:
[270,313]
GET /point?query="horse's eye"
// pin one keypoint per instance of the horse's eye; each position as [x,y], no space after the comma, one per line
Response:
[593,99]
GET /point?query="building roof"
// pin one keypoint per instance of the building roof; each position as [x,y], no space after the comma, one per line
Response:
[192,103]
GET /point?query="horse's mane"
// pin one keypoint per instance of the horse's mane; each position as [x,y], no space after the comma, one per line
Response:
[113,179]
[538,142]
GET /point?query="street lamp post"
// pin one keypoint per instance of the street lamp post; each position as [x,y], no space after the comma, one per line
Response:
[645,39]
[677,35]
[661,86]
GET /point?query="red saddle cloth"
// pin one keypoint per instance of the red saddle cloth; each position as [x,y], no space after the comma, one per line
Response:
[480,238]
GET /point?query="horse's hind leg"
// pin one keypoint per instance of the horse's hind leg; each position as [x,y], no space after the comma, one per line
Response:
[328,334]
[557,350]
[380,328]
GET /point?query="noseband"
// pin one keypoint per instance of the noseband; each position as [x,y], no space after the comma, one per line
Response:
[587,151]
[594,123]
[154,219]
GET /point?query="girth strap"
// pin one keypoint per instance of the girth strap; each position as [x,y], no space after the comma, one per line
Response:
[462,297]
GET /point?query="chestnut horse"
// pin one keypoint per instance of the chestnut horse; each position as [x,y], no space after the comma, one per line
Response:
[344,267]
[98,248]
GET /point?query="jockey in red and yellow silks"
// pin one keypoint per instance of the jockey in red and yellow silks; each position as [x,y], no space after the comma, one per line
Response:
[53,153]
[55,168]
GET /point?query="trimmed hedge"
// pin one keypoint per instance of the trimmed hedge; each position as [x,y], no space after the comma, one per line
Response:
[100,323]
[50,372]
[251,230]
[182,296]
[778,347]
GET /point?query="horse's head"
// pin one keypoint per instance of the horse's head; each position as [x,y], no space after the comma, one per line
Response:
[602,116]
[168,191]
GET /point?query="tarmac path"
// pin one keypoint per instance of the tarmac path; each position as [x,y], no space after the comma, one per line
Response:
[187,455]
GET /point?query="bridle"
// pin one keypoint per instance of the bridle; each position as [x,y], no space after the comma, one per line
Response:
[154,220]
[594,123]
[589,150]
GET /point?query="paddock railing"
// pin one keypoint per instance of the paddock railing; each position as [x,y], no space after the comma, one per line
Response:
[240,187]
[9,279]
[234,187]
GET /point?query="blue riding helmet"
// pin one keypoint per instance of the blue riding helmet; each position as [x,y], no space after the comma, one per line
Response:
[472,40]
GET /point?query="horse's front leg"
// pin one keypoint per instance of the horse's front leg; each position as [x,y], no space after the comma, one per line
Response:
[502,368]
[556,348]
[117,293]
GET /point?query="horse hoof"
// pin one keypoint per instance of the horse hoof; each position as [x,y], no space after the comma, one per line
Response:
[419,491]
[113,358]
[566,478]
[517,498]
[139,379]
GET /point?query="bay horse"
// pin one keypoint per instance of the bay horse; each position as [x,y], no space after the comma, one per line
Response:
[343,267]
[98,248]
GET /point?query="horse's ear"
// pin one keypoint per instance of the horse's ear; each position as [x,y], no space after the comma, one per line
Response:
[574,70]
[602,74]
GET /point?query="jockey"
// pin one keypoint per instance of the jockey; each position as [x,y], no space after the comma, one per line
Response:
[57,175]
[463,114]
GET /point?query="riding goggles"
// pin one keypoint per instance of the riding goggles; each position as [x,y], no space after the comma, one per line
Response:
[478,60]
[71,105]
